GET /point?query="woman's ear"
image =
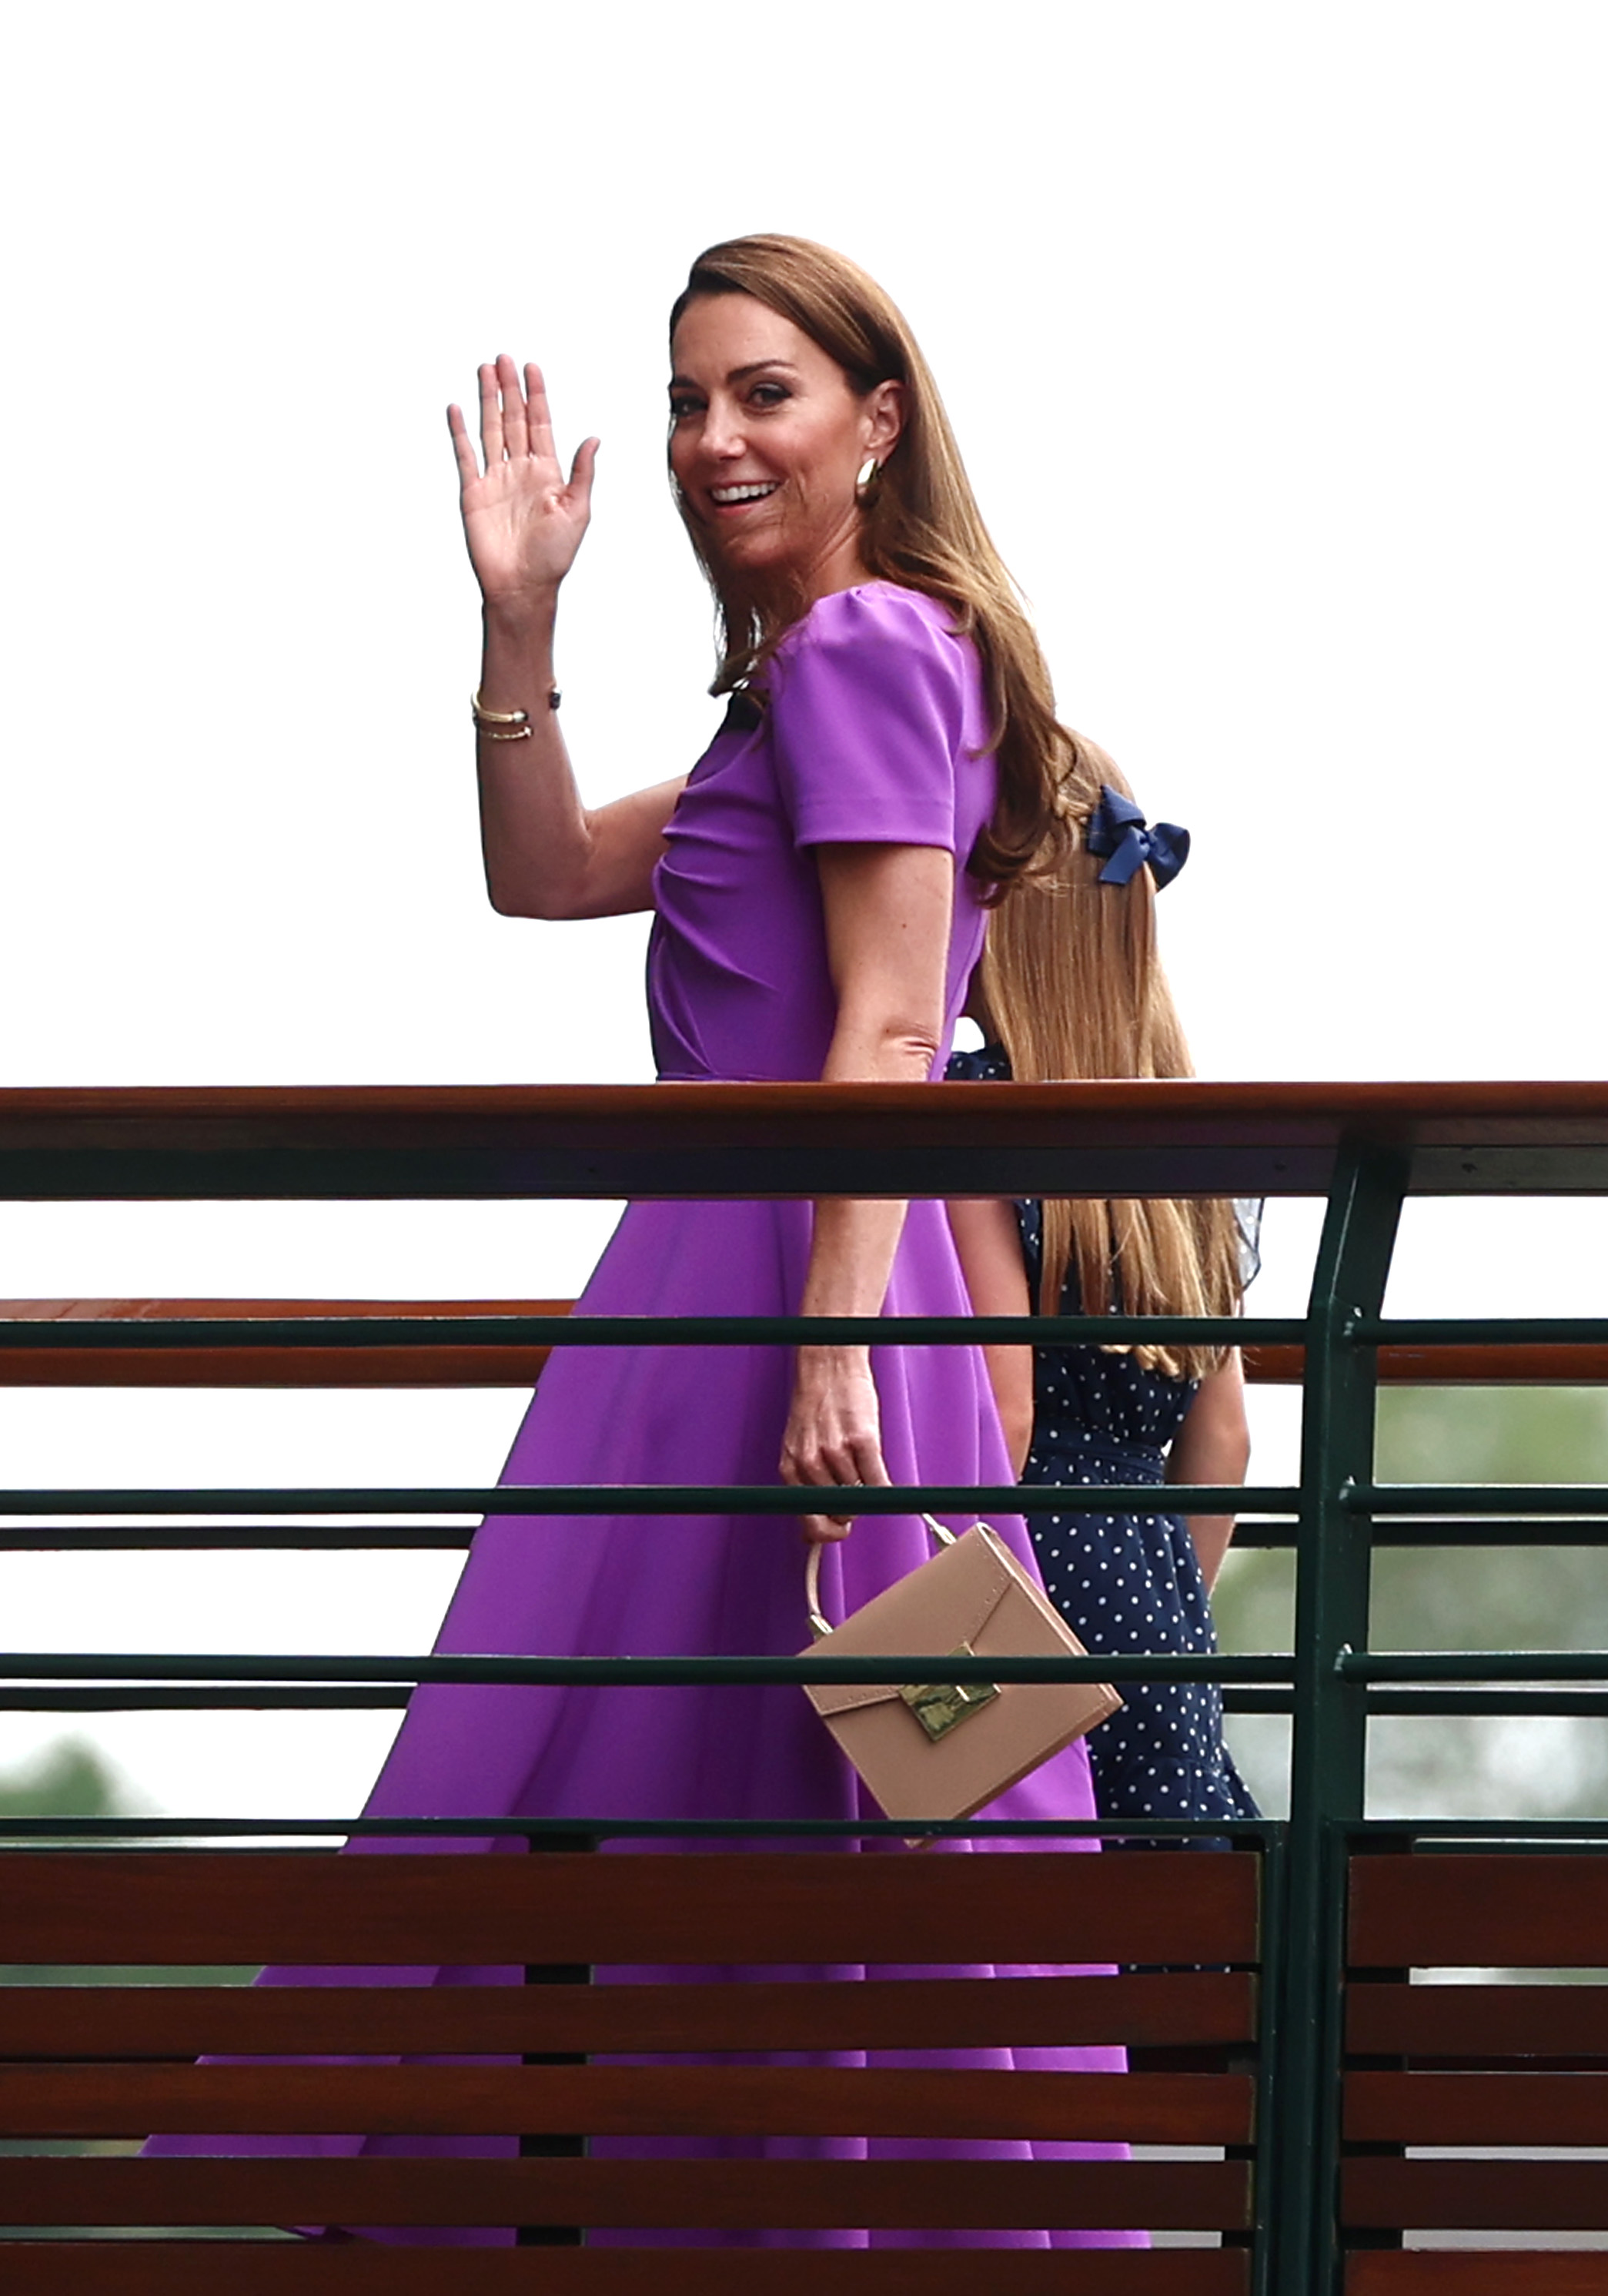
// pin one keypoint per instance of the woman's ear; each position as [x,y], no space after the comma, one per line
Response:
[884,420]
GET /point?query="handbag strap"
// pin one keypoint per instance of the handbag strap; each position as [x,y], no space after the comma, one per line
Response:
[820,1624]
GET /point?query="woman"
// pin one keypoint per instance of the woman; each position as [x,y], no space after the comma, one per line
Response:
[819,885]
[1070,984]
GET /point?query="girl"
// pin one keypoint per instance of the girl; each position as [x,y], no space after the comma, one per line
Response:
[1070,985]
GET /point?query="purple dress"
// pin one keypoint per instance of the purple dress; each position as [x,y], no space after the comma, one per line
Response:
[876,731]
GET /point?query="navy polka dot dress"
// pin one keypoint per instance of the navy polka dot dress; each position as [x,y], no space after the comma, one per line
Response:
[1124,1582]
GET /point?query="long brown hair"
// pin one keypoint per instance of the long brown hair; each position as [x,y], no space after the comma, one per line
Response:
[1074,986]
[921,526]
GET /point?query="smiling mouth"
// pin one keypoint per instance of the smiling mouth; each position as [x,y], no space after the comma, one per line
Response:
[735,497]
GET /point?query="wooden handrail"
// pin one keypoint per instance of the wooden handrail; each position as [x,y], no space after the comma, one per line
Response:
[502,1366]
[1458,1109]
[1176,1138]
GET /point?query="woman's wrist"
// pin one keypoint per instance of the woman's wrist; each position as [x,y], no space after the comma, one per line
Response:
[821,1361]
[521,617]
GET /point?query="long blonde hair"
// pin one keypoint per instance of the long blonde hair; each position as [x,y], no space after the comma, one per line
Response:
[1073,987]
[921,526]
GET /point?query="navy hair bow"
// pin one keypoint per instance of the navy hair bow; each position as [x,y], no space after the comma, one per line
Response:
[1118,828]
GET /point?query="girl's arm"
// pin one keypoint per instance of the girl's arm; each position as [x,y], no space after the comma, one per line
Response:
[546,855]
[988,1244]
[887,921]
[1214,1446]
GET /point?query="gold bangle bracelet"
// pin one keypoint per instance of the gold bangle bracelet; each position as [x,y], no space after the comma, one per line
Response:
[519,733]
[482,716]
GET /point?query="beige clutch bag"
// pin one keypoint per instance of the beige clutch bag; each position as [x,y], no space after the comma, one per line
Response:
[940,1750]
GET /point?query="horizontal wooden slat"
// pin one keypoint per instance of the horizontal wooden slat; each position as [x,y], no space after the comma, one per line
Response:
[501,1364]
[1476,2195]
[363,2268]
[1528,1364]
[892,2195]
[1479,1912]
[1477,2272]
[1520,2108]
[1187,2009]
[608,2100]
[268,1367]
[1478,2021]
[180,1906]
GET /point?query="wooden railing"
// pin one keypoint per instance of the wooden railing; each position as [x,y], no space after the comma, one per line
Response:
[1334,1909]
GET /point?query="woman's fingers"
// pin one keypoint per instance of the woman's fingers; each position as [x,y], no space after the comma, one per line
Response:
[833,1439]
[516,426]
[516,437]
[866,1455]
[581,471]
[491,417]
[540,418]
[850,1464]
[469,466]
[825,1530]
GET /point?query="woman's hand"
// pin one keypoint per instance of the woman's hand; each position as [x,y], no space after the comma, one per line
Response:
[834,1435]
[522,522]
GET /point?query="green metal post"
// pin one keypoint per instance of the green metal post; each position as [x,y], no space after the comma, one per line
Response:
[1328,1750]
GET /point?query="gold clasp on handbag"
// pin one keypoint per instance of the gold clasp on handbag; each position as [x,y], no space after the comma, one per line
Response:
[941,1706]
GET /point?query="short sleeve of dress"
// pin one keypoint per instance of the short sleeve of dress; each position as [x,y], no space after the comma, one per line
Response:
[867,708]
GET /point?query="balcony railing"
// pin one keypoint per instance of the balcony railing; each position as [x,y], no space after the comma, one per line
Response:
[1342,2066]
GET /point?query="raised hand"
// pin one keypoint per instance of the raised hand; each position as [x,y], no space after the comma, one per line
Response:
[522,520]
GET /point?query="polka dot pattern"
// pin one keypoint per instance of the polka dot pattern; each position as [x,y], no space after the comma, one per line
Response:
[1124,1582]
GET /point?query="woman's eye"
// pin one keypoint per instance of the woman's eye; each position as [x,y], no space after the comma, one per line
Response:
[680,408]
[769,394]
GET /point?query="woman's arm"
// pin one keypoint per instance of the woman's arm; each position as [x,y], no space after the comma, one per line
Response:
[887,921]
[546,855]
[989,1244]
[1214,1446]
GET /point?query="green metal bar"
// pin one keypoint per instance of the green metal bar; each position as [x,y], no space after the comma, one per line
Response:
[1479,1331]
[1362,1498]
[1244,1832]
[661,1499]
[321,1698]
[1593,1704]
[1258,1532]
[336,1330]
[1328,1750]
[599,1673]
[263,1697]
[99,1538]
[1453,1833]
[1403,1531]
[1466,1665]
[1266,2215]
[1355,1497]
[381,1697]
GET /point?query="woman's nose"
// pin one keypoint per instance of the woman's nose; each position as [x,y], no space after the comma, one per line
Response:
[724,437]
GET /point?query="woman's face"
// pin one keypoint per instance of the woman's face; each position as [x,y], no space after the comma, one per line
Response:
[767,440]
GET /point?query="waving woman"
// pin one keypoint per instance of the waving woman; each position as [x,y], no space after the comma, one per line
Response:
[818,884]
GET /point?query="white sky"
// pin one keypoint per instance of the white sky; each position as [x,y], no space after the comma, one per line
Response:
[1274,337]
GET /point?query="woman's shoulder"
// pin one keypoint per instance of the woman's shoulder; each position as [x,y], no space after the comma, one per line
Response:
[883,616]
[876,651]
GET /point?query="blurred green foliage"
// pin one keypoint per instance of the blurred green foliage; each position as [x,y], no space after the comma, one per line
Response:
[1537,1597]
[69,1779]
